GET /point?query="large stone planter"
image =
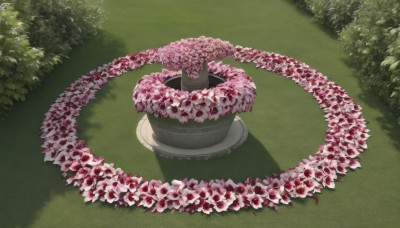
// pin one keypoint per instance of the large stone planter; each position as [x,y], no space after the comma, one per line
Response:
[191,135]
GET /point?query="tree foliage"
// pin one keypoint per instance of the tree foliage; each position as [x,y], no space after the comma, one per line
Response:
[335,14]
[35,35]
[372,41]
[19,61]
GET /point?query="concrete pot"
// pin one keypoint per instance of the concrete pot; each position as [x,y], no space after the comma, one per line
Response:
[191,135]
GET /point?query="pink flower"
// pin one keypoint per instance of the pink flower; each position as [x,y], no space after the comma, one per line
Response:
[237,204]
[189,196]
[328,182]
[161,205]
[285,198]
[88,183]
[111,195]
[301,191]
[148,201]
[199,115]
[90,196]
[255,201]
[221,205]
[131,198]
[274,196]
[205,207]
[162,191]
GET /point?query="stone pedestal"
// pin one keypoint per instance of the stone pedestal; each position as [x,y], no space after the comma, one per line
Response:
[236,136]
[190,135]
[190,84]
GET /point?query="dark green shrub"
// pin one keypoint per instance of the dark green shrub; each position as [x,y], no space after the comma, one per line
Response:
[53,26]
[373,43]
[62,24]
[335,14]
[302,4]
[19,62]
[57,25]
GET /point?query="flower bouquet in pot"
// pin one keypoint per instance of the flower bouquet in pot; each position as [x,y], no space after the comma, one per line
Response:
[192,103]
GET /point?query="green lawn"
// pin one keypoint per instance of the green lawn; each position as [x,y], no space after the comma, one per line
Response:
[286,124]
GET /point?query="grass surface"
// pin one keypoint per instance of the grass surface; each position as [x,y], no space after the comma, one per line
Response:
[285,126]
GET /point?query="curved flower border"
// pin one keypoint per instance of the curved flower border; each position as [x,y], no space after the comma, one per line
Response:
[191,54]
[237,94]
[97,180]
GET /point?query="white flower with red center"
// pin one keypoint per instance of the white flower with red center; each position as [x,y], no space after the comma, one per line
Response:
[237,203]
[255,201]
[203,192]
[88,183]
[109,170]
[161,205]
[131,198]
[274,196]
[229,197]
[189,196]
[162,191]
[90,196]
[260,189]
[310,184]
[328,182]
[221,205]
[199,115]
[285,198]
[192,184]
[148,201]
[111,194]
[301,191]
[174,195]
[205,206]
[354,164]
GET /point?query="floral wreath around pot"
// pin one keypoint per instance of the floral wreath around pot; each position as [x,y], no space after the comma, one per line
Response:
[97,180]
[236,94]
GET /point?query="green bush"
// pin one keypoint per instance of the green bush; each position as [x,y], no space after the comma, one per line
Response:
[19,62]
[38,37]
[335,14]
[302,4]
[57,25]
[372,41]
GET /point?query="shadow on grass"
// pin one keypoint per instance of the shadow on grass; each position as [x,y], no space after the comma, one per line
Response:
[252,159]
[302,9]
[386,121]
[28,184]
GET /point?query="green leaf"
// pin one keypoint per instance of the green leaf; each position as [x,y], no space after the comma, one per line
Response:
[10,85]
[388,61]
[394,66]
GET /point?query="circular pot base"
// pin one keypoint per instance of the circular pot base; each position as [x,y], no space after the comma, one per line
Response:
[236,136]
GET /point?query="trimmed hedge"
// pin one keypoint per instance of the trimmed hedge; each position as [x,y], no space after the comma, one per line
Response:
[334,14]
[372,41]
[53,27]
[19,62]
[370,34]
[57,25]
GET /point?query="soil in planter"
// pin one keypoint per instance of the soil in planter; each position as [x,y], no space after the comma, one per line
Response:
[175,82]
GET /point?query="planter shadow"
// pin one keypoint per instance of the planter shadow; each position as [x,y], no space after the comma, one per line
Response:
[251,159]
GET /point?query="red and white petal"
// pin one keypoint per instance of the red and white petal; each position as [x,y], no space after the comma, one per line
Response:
[255,201]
